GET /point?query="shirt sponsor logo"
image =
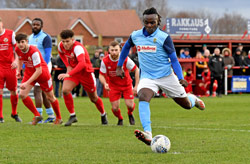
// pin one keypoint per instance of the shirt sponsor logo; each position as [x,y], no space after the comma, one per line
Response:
[146,48]
[5,40]
[4,46]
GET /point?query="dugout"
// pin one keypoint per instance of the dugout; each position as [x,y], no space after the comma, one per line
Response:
[196,42]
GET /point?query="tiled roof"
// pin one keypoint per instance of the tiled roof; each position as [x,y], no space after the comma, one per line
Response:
[108,23]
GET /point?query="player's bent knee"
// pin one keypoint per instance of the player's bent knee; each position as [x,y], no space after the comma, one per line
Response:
[22,96]
[66,92]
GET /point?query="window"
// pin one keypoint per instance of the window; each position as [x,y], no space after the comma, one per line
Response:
[119,40]
[54,41]
[79,38]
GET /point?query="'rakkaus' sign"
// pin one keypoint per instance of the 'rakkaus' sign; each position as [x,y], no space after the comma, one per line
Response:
[188,26]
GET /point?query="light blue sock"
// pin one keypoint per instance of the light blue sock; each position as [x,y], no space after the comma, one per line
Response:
[49,111]
[144,113]
[192,99]
[40,110]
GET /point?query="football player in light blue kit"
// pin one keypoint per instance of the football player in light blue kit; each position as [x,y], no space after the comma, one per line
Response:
[43,42]
[158,60]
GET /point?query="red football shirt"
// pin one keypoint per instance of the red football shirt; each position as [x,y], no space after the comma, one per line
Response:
[7,44]
[32,59]
[77,58]
[108,67]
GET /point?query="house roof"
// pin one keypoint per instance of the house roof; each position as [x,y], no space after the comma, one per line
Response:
[108,23]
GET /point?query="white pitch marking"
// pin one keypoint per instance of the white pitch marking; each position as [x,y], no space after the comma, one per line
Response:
[169,127]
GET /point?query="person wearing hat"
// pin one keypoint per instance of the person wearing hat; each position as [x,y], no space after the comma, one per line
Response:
[204,48]
[185,55]
[228,60]
[243,53]
[238,58]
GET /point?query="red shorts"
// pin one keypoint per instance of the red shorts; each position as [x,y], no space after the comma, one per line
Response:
[44,80]
[86,79]
[8,76]
[116,93]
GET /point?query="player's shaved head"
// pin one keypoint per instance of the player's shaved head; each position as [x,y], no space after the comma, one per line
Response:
[67,34]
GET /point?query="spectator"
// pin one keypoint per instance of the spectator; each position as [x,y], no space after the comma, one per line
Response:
[243,53]
[200,65]
[59,68]
[189,78]
[238,58]
[216,66]
[204,48]
[95,57]
[228,60]
[99,85]
[229,63]
[247,62]
[207,54]
[185,55]
[181,52]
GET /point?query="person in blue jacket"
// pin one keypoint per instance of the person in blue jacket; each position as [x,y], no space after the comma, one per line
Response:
[44,43]
[158,60]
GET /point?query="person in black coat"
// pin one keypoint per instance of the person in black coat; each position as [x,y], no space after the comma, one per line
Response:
[216,66]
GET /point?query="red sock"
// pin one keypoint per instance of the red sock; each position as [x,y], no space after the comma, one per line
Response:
[30,105]
[1,106]
[130,111]
[117,114]
[214,88]
[14,100]
[56,109]
[68,99]
[99,105]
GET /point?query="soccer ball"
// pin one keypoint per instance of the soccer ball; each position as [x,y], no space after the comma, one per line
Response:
[160,144]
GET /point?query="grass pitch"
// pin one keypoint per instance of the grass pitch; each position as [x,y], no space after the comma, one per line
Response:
[220,134]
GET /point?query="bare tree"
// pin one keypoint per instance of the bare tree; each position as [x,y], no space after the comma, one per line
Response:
[38,4]
[20,3]
[230,24]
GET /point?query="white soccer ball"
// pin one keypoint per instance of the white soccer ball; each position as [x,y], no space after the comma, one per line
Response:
[160,144]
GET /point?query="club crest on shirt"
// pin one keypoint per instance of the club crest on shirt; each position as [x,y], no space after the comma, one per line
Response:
[155,40]
[220,59]
[29,58]
[5,40]
[36,40]
[109,67]
[143,48]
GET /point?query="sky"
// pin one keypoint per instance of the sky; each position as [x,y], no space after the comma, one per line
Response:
[215,7]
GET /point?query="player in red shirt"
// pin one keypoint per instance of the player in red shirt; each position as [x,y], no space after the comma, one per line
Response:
[8,70]
[206,76]
[36,70]
[189,78]
[79,70]
[118,86]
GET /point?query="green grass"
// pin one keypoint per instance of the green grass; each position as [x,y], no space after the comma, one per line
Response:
[221,134]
